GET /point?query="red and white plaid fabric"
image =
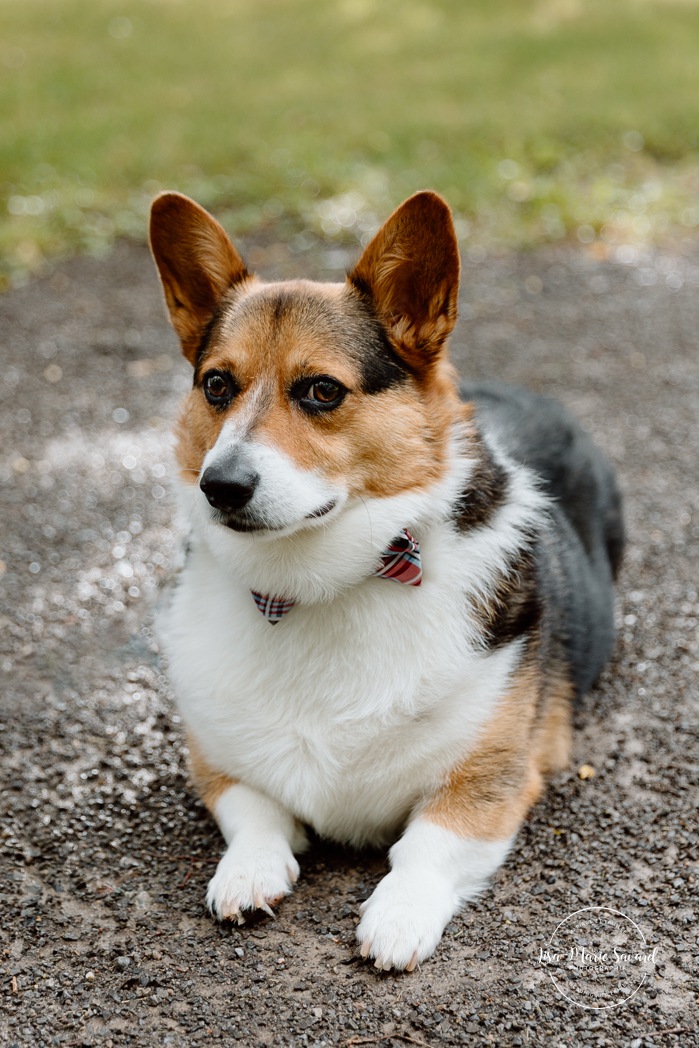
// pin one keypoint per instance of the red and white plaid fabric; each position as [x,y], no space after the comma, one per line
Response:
[400,562]
[273,608]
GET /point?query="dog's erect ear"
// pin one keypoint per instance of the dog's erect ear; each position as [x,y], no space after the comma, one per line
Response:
[197,265]
[410,270]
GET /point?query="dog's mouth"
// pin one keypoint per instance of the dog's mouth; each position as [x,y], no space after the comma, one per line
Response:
[244,524]
[322,510]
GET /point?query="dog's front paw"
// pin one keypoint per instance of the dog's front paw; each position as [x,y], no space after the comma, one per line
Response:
[402,922]
[251,876]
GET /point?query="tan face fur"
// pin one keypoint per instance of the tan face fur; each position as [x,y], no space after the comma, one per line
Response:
[380,336]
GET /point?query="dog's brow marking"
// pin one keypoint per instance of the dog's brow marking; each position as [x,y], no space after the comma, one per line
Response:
[255,400]
[259,398]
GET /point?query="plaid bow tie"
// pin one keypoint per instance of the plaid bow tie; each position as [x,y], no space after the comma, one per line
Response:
[400,562]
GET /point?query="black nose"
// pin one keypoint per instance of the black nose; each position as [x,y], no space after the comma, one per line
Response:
[228,487]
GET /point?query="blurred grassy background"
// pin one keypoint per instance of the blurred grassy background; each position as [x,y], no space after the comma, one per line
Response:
[537,119]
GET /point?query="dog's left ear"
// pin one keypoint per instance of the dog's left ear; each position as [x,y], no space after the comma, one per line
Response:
[410,271]
[197,265]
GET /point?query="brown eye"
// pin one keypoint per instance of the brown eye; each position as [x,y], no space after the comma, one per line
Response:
[323,391]
[219,388]
[315,395]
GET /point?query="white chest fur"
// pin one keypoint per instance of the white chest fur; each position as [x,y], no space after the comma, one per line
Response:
[347,713]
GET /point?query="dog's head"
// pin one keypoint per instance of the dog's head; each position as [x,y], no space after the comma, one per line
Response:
[310,399]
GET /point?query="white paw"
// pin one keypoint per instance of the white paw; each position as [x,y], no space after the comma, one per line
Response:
[402,922]
[251,876]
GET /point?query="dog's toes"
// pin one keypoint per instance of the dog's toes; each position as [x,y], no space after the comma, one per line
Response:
[228,913]
[402,922]
[250,879]
[292,872]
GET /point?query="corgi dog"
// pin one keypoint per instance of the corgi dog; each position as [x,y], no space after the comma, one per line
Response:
[395,589]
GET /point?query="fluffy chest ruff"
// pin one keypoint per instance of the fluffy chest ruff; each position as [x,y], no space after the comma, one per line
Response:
[352,708]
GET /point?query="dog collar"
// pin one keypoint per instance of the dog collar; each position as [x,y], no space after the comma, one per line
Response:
[400,562]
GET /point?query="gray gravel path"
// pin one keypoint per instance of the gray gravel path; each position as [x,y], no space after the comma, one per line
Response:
[104,850]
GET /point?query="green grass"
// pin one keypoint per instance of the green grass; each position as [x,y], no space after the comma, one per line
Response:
[537,119]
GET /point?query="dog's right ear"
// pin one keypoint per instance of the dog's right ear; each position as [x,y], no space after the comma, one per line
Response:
[197,265]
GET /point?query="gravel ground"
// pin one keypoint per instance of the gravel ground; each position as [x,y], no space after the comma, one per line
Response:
[105,851]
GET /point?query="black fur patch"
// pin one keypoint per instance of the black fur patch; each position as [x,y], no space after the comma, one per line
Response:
[381,366]
[516,608]
[204,343]
[486,492]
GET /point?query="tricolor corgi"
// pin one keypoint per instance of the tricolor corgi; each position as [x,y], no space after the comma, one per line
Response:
[394,591]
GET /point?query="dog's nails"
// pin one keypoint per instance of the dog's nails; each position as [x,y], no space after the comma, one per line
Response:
[260,903]
[364,951]
[412,963]
[226,914]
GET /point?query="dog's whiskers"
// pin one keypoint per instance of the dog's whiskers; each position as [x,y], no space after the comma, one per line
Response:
[371,530]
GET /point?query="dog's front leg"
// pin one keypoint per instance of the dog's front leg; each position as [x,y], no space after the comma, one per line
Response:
[433,872]
[258,868]
[450,849]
